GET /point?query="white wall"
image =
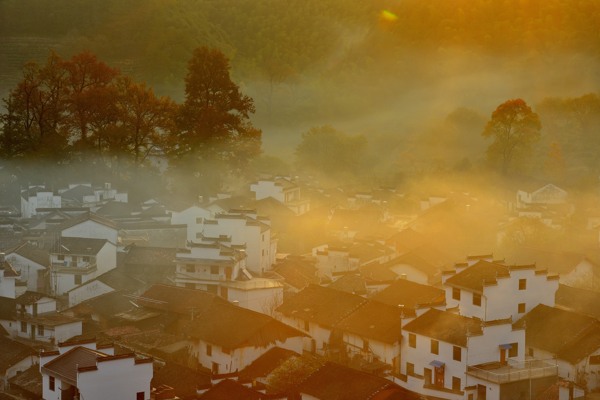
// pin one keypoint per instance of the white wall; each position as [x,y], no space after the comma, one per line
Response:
[116,379]
[88,291]
[7,286]
[194,218]
[29,270]
[93,230]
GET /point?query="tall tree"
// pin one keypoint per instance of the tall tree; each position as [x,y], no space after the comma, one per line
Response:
[214,119]
[514,128]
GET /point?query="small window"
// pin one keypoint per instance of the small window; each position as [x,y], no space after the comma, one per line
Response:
[457,353]
[77,279]
[522,284]
[214,269]
[514,350]
[40,330]
[190,268]
[521,308]
[85,259]
[61,257]
[455,293]
[435,346]
[51,383]
[455,383]
[23,326]
[410,368]
[208,350]
[476,299]
[412,340]
[140,396]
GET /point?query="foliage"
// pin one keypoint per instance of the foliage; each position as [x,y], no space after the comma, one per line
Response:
[330,152]
[514,128]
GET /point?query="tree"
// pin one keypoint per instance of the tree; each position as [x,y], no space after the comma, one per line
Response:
[214,119]
[514,127]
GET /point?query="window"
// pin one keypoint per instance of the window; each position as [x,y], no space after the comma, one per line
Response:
[23,326]
[208,350]
[214,269]
[514,350]
[306,325]
[457,353]
[455,383]
[410,368]
[61,257]
[435,346]
[412,340]
[190,268]
[521,308]
[140,396]
[365,345]
[455,294]
[85,259]
[51,383]
[77,279]
[522,284]
[476,299]
[40,330]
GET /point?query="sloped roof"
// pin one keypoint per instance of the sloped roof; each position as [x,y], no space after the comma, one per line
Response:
[67,364]
[8,269]
[88,216]
[184,380]
[106,305]
[375,320]
[410,294]
[579,300]
[554,261]
[334,382]
[474,277]
[297,273]
[30,297]
[230,390]
[322,305]
[116,279]
[445,326]
[266,363]
[31,252]
[117,209]
[569,335]
[350,283]
[78,246]
[12,352]
[231,327]
[77,192]
[180,300]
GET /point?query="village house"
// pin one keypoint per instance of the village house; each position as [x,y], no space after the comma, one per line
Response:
[192,217]
[8,279]
[492,290]
[86,195]
[32,264]
[82,370]
[89,225]
[15,357]
[37,319]
[38,197]
[283,190]
[111,281]
[570,338]
[414,298]
[340,258]
[76,260]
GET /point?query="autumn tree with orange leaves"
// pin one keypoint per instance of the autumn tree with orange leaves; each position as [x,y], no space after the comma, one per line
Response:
[514,128]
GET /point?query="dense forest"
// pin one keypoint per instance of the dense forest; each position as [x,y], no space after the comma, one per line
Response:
[413,82]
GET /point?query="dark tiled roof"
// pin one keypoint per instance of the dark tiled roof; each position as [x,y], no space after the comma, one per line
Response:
[118,280]
[184,380]
[413,259]
[350,283]
[77,192]
[30,297]
[554,261]
[8,269]
[445,326]
[265,364]
[78,246]
[410,294]
[322,305]
[177,299]
[232,327]
[30,381]
[297,273]
[334,382]
[579,300]
[116,209]
[474,277]
[66,365]
[230,390]
[106,305]
[376,321]
[30,252]
[85,217]
[578,336]
[12,352]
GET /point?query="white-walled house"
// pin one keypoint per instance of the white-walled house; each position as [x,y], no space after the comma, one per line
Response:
[37,197]
[83,371]
[87,195]
[193,217]
[90,225]
[32,265]
[8,279]
[546,195]
[15,357]
[570,338]
[37,319]
[494,291]
[450,356]
[245,228]
[76,260]
[283,190]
